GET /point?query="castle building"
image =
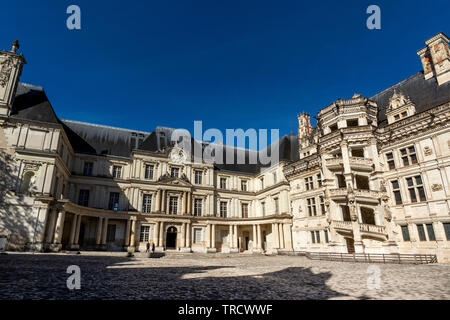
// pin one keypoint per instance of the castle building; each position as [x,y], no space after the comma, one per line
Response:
[371,175]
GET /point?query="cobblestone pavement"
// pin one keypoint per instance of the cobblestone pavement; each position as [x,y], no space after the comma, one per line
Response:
[196,276]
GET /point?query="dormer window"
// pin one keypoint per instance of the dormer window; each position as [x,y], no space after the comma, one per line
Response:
[333,127]
[174,172]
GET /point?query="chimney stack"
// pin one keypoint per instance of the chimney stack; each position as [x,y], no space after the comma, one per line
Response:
[435,58]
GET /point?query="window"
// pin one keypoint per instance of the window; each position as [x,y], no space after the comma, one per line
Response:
[145,233]
[198,176]
[346,213]
[352,123]
[362,182]
[311,203]
[408,155]
[358,152]
[87,170]
[113,201]
[325,232]
[319,180]
[83,198]
[309,183]
[149,171]
[430,231]
[447,230]
[397,117]
[313,237]
[117,172]
[223,183]
[415,188]
[404,114]
[277,206]
[223,209]
[333,127]
[262,182]
[318,236]
[245,210]
[396,191]
[147,203]
[405,233]
[197,207]
[275,177]
[322,205]
[421,231]
[244,185]
[390,160]
[174,172]
[26,184]
[341,181]
[197,235]
[173,205]
[263,208]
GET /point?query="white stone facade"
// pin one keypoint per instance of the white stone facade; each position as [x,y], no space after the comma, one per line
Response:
[360,183]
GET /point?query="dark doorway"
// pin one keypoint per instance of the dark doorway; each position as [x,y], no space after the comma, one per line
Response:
[171,238]
[247,240]
[350,245]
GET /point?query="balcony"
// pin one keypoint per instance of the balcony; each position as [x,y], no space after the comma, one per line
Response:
[361,164]
[342,225]
[356,163]
[360,195]
[371,230]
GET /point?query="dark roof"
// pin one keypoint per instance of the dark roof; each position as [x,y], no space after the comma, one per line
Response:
[31,103]
[425,94]
[103,139]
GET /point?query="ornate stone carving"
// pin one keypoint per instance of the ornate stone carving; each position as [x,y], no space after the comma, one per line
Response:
[398,100]
[436,187]
[5,71]
[427,151]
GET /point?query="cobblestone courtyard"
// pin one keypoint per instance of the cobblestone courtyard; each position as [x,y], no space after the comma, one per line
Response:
[42,276]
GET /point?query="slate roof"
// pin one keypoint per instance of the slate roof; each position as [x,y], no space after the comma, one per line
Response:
[31,103]
[425,94]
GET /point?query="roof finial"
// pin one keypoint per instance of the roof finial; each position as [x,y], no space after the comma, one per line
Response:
[15,45]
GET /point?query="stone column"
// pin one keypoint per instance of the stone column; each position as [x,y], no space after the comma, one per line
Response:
[235,238]
[132,236]
[208,236]
[51,226]
[77,232]
[156,234]
[188,235]
[189,195]
[259,236]
[99,231]
[255,239]
[158,201]
[59,228]
[127,233]
[213,236]
[281,235]
[163,200]
[104,230]
[183,234]
[230,236]
[73,229]
[161,235]
[183,203]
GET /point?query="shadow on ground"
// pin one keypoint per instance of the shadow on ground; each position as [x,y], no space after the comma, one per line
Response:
[44,277]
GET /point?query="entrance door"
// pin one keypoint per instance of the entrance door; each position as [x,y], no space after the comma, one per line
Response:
[171,238]
[350,245]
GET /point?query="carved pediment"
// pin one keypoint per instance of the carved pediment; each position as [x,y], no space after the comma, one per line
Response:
[181,181]
[398,100]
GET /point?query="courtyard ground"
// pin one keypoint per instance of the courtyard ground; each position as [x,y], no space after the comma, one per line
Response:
[198,276]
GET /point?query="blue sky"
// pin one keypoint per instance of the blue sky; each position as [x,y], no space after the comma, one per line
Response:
[231,64]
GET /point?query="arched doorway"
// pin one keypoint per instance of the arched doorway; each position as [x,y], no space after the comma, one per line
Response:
[171,238]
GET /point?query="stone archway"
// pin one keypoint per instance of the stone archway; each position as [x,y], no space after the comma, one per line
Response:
[171,238]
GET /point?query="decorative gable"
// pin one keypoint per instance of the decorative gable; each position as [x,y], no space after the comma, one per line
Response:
[400,106]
